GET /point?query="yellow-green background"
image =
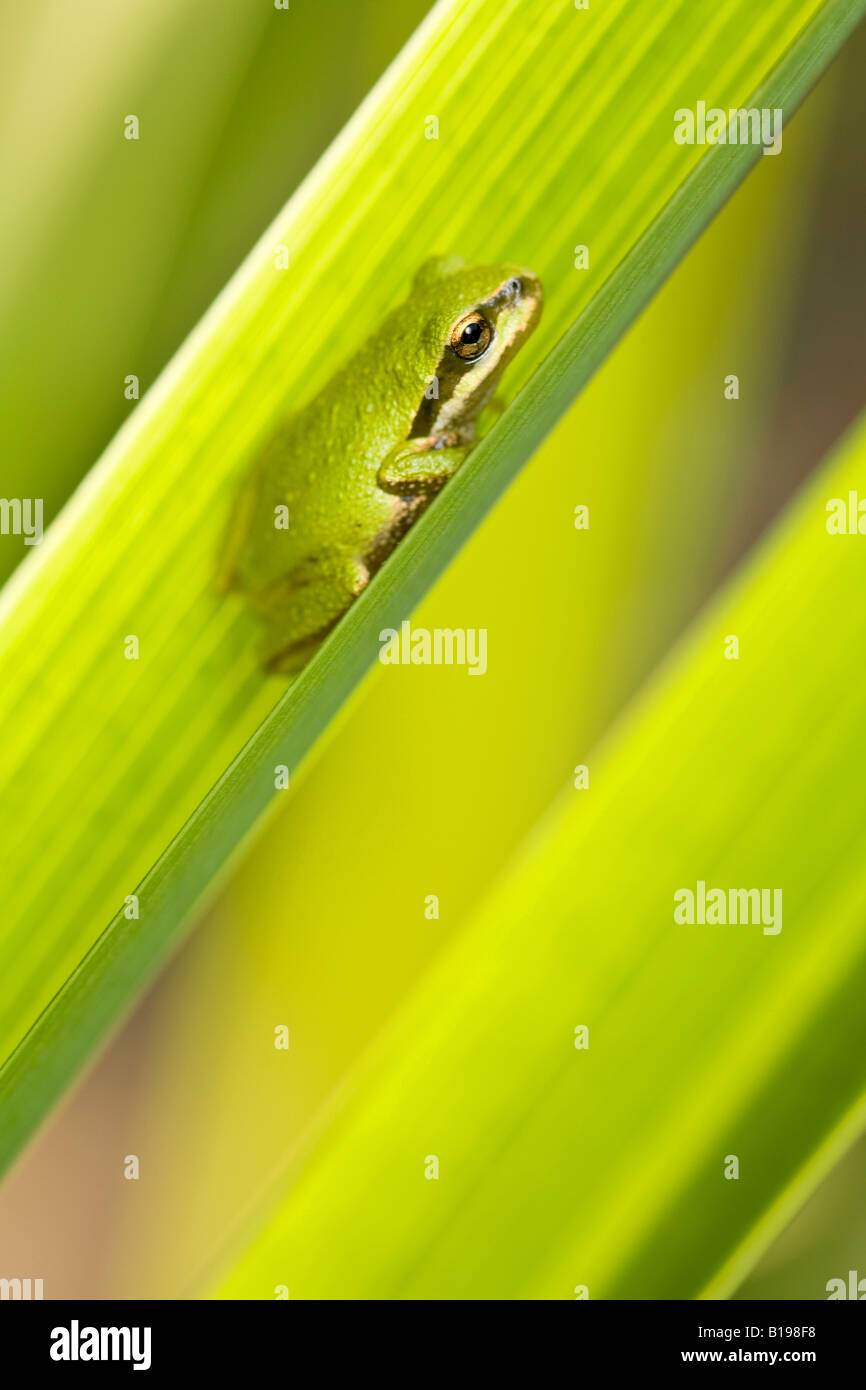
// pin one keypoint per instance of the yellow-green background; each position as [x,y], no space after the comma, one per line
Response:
[431,779]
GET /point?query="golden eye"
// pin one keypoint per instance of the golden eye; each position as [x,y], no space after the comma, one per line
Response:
[471,336]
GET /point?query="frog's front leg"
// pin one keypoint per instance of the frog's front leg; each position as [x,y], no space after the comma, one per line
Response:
[300,610]
[420,467]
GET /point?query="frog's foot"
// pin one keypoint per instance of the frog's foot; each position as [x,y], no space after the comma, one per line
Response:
[420,467]
[301,610]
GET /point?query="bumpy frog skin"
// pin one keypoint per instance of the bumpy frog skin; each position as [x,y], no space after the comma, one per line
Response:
[358,464]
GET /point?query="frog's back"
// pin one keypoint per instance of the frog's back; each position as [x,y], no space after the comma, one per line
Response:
[323,462]
[321,465]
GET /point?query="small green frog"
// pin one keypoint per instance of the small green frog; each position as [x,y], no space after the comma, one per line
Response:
[342,480]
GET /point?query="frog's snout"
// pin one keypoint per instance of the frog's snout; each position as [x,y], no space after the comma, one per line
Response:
[525,292]
[528,285]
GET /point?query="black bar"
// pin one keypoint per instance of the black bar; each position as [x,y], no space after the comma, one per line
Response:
[221,1338]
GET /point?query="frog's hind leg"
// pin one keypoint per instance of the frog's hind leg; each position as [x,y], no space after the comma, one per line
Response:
[299,611]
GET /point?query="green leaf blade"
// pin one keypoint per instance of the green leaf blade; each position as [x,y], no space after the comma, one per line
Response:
[605,1167]
[111,759]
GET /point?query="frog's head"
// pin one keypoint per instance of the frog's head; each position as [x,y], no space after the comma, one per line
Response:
[475,319]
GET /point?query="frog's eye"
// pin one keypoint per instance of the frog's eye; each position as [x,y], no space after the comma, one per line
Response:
[471,336]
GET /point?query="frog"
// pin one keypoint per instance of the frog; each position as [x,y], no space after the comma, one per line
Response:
[339,483]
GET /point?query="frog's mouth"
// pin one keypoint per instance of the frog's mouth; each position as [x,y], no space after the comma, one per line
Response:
[465,387]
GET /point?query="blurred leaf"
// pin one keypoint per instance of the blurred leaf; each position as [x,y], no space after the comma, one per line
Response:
[605,1167]
[95,222]
[825,1239]
[230,98]
[110,757]
[304,933]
